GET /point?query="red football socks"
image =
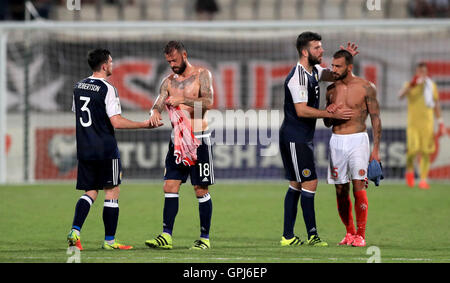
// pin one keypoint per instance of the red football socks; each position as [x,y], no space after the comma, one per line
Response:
[361,206]
[344,204]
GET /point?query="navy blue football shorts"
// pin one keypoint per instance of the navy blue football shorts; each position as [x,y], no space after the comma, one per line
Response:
[98,174]
[298,161]
[202,173]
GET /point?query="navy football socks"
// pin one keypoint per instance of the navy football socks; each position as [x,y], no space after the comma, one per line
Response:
[205,213]
[290,211]
[110,218]
[309,215]
[81,211]
[170,212]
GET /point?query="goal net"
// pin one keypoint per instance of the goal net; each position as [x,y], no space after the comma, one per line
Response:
[249,62]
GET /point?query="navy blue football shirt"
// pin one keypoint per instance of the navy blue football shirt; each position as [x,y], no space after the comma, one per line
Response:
[94,101]
[300,86]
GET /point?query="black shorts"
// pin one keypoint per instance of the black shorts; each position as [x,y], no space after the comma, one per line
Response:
[298,161]
[98,174]
[202,173]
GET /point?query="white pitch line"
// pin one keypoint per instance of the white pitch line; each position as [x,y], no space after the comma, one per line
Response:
[252,259]
[413,259]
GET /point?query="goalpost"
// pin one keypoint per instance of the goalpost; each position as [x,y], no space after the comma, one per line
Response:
[41,61]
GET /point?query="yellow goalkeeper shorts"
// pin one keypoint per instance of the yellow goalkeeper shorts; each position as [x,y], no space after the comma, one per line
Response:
[420,140]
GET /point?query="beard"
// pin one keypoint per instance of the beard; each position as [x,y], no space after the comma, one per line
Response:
[312,60]
[342,76]
[180,69]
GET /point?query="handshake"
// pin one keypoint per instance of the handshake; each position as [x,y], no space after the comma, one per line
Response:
[152,126]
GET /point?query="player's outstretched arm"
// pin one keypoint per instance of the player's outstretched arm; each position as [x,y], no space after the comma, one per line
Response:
[304,111]
[159,105]
[120,122]
[374,111]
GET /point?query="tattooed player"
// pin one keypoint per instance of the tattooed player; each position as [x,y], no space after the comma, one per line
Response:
[349,144]
[190,88]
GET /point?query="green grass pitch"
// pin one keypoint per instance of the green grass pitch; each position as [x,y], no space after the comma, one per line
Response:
[406,225]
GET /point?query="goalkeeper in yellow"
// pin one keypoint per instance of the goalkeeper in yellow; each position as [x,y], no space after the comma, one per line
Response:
[423,106]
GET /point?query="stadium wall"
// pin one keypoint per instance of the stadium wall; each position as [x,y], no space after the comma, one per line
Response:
[249,62]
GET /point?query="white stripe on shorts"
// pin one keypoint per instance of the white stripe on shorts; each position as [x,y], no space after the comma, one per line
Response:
[113,173]
[115,163]
[118,171]
[211,166]
[294,161]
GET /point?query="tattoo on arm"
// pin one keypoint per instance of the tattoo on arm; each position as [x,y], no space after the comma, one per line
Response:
[374,111]
[205,98]
[163,94]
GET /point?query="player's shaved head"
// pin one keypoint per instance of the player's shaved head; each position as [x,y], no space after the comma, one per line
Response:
[97,57]
[342,64]
[344,54]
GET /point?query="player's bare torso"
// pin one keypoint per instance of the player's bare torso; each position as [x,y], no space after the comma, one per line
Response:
[188,86]
[353,95]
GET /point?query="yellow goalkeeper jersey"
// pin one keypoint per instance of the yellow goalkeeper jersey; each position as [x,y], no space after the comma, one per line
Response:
[419,114]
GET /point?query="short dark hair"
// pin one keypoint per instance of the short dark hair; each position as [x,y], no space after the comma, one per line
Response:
[304,39]
[344,54]
[421,64]
[174,45]
[97,57]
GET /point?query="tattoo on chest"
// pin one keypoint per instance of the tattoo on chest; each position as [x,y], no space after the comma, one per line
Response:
[183,84]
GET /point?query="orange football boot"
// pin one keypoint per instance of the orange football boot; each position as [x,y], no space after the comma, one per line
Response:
[424,185]
[409,176]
